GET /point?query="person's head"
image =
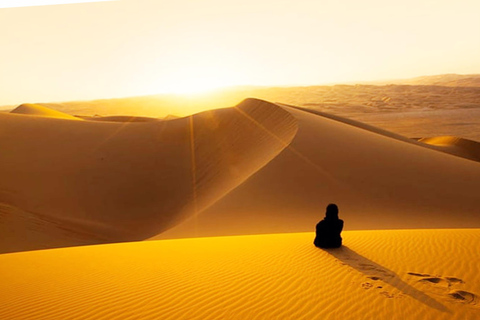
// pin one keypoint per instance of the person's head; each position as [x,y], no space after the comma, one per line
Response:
[332,211]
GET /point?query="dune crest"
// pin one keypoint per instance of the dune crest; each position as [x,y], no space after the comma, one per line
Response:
[254,168]
[132,180]
[379,180]
[456,146]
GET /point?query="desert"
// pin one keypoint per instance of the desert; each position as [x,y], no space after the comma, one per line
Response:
[239,160]
[211,215]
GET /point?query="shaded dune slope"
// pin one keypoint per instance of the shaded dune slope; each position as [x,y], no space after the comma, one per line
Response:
[129,181]
[396,274]
[379,181]
[22,231]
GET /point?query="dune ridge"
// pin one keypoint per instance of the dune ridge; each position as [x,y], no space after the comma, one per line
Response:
[456,146]
[131,180]
[254,168]
[379,180]
[400,274]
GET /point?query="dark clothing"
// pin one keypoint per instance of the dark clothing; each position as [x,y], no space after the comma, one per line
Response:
[328,233]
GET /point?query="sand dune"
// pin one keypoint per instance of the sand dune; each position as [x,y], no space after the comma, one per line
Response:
[41,111]
[23,231]
[461,147]
[458,122]
[451,80]
[129,181]
[457,146]
[402,274]
[254,168]
[379,180]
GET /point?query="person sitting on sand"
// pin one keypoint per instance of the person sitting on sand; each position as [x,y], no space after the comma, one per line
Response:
[328,230]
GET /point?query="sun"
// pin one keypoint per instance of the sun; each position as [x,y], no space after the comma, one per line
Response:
[189,86]
[196,78]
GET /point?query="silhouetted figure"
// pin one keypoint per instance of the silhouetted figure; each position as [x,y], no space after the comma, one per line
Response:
[328,230]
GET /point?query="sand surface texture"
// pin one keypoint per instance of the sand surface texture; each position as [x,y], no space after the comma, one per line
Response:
[401,274]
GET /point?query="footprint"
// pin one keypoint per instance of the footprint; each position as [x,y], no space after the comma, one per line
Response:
[463,296]
[418,274]
[388,295]
[454,280]
[437,280]
[367,285]
[443,286]
[369,267]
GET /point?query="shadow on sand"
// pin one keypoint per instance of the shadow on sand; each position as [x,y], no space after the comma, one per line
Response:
[375,272]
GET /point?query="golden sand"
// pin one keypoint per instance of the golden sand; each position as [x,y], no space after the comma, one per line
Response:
[259,167]
[401,274]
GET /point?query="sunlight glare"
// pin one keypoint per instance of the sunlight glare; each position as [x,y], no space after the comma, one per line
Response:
[196,79]
[192,86]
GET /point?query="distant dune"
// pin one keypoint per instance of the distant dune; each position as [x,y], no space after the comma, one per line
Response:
[255,168]
[455,145]
[41,111]
[419,107]
[396,274]
[450,80]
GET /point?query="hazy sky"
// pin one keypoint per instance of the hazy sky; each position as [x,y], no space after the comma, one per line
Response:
[135,47]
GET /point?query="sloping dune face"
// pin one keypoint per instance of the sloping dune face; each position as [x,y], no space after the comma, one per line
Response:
[378,181]
[395,274]
[127,181]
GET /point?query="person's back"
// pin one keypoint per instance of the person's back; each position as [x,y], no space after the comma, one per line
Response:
[328,230]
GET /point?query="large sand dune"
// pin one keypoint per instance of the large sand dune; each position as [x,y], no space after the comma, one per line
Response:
[254,168]
[408,274]
[131,180]
[380,181]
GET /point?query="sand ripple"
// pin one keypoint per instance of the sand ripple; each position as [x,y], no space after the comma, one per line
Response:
[378,275]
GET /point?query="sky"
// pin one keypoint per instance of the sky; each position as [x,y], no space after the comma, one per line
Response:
[137,47]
